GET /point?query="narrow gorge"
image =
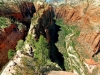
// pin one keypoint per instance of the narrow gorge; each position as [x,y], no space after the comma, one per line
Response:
[50,38]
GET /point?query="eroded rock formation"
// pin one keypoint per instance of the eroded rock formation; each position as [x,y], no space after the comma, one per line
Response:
[87,18]
[9,36]
[42,23]
[8,40]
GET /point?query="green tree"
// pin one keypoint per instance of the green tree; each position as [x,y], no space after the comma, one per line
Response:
[41,54]
[36,65]
[20,44]
[11,53]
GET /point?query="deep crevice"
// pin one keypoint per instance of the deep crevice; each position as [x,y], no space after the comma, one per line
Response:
[55,55]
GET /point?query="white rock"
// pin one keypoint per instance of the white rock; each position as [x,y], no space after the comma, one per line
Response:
[39,3]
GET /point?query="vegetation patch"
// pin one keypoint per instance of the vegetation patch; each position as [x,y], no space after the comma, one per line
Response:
[4,22]
[11,53]
[40,63]
[67,46]
[20,45]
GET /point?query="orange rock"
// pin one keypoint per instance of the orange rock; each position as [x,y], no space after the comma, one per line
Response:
[88,37]
[91,62]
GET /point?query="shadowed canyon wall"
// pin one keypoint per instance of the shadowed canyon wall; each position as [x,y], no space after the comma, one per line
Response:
[42,23]
[45,25]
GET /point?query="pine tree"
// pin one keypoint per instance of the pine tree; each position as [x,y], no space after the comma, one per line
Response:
[41,53]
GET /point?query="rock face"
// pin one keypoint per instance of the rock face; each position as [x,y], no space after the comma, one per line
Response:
[8,40]
[43,23]
[40,24]
[60,73]
[10,68]
[87,18]
[10,35]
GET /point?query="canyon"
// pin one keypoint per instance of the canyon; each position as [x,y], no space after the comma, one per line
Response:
[88,23]
[42,21]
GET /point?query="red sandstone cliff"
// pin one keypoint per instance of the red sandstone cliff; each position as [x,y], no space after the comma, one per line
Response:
[8,40]
[9,36]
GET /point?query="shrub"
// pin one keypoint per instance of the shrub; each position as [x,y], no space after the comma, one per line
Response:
[41,54]
[11,53]
[20,44]
[4,22]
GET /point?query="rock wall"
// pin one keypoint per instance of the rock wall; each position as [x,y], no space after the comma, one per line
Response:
[8,40]
[40,24]
[88,20]
[43,23]
[10,35]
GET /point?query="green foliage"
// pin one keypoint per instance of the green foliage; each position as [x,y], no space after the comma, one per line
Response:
[20,26]
[74,62]
[65,30]
[68,28]
[40,64]
[20,44]
[30,40]
[28,67]
[67,46]
[4,22]
[11,53]
[42,53]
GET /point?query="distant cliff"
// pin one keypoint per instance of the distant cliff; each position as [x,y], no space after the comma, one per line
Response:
[88,22]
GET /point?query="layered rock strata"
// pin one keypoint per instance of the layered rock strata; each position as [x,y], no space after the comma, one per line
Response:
[88,20]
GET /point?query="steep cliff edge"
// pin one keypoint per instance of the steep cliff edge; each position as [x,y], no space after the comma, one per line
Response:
[76,56]
[15,30]
[42,23]
[8,40]
[88,22]
[87,44]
